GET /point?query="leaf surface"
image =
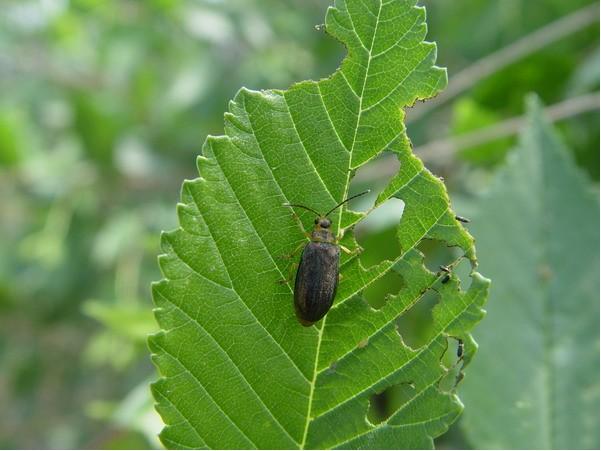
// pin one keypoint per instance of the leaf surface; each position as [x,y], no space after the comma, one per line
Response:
[538,234]
[238,370]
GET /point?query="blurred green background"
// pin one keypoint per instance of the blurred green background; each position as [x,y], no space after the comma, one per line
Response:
[104,105]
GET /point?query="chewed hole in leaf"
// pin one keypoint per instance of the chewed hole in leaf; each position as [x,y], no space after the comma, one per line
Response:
[377,246]
[415,324]
[364,202]
[376,174]
[463,270]
[451,379]
[384,216]
[453,360]
[437,253]
[379,292]
[377,233]
[383,405]
[453,353]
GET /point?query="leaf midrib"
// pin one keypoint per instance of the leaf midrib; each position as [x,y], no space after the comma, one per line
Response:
[346,187]
[195,320]
[548,310]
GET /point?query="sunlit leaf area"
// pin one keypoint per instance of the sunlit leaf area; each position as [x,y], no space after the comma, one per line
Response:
[467,310]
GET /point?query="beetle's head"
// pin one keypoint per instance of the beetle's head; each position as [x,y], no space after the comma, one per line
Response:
[322,222]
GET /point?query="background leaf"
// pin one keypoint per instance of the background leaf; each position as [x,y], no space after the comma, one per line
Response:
[540,348]
[239,371]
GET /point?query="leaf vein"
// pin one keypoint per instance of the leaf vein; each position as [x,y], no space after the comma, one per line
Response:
[423,349]
[202,387]
[184,419]
[196,322]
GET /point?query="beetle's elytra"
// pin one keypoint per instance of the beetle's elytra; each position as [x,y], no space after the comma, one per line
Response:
[317,274]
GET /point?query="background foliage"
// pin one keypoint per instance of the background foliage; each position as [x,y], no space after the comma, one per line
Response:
[103,108]
[547,307]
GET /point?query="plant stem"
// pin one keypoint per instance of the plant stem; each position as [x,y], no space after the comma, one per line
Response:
[502,58]
[387,165]
[445,148]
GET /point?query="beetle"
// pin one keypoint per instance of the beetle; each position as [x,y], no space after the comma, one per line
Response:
[317,274]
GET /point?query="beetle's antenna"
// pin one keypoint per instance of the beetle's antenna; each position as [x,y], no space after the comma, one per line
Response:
[302,206]
[346,200]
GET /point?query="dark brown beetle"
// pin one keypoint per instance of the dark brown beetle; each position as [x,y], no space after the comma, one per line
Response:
[317,274]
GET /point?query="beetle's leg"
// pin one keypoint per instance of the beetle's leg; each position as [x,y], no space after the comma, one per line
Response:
[291,269]
[340,238]
[344,249]
[294,252]
[293,266]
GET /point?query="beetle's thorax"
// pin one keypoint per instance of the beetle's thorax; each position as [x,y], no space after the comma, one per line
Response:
[322,235]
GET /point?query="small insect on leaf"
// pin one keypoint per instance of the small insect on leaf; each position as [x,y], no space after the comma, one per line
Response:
[317,275]
[460,348]
[447,275]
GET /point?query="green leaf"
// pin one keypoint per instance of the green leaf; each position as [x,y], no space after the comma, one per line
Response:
[128,320]
[535,384]
[238,370]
